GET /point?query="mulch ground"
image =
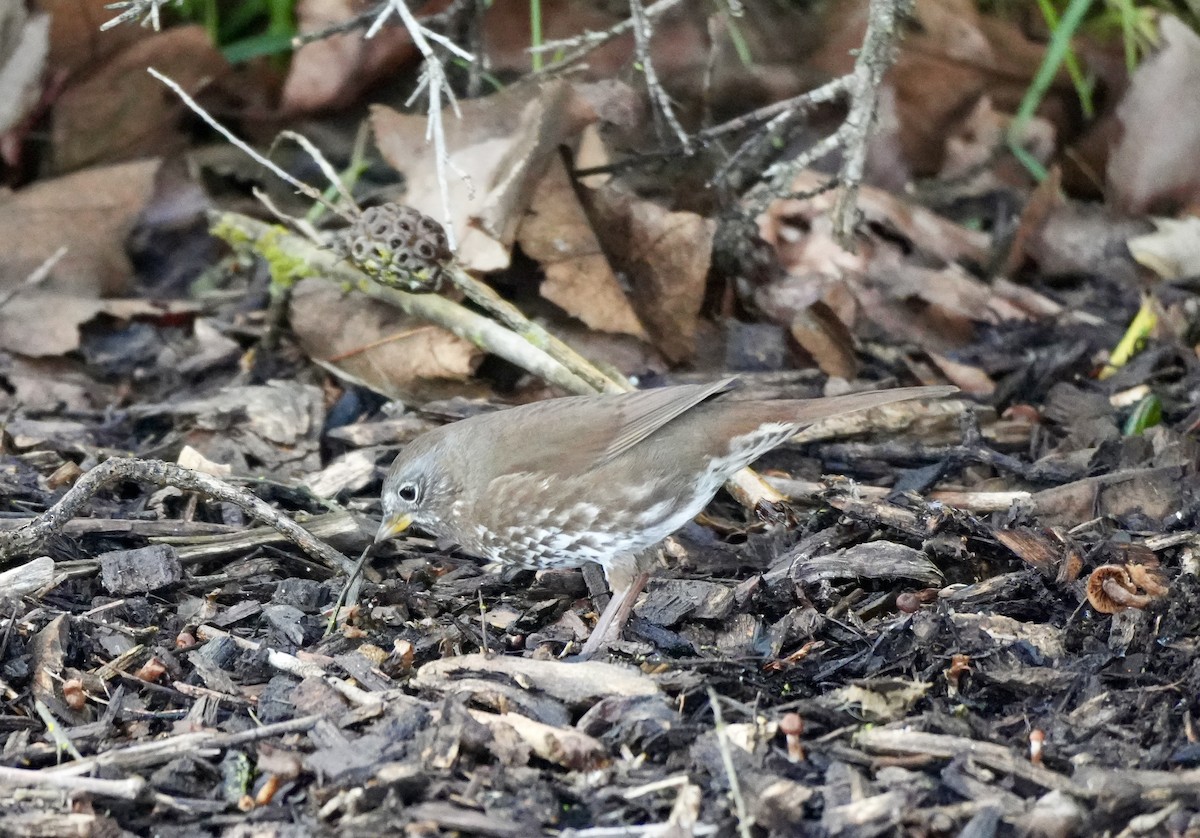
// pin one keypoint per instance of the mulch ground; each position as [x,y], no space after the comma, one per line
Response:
[888,660]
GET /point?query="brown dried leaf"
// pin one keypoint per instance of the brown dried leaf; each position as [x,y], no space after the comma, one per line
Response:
[334,71]
[120,112]
[40,325]
[1152,169]
[665,257]
[950,57]
[826,338]
[556,234]
[965,377]
[91,212]
[502,144]
[75,37]
[927,231]
[376,345]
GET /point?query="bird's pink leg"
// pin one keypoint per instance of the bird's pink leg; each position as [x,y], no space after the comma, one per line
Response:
[616,614]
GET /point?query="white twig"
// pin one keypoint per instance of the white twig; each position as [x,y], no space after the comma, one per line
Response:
[433,79]
[137,8]
[323,164]
[127,789]
[300,185]
[36,277]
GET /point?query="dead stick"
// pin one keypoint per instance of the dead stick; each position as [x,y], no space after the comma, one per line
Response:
[29,538]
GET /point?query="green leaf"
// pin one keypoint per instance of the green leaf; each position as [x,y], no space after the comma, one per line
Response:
[1146,414]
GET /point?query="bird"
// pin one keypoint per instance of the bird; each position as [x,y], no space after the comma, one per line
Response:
[598,478]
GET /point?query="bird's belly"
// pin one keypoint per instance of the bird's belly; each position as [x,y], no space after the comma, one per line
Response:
[578,526]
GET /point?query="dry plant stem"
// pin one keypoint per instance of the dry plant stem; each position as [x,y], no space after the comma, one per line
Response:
[306,190]
[794,107]
[186,744]
[515,320]
[874,58]
[812,491]
[128,789]
[998,758]
[36,278]
[862,85]
[30,537]
[744,821]
[779,176]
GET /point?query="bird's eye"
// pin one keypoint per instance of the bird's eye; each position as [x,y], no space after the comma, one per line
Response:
[408,493]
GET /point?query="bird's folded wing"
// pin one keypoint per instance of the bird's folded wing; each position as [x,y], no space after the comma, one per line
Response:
[641,414]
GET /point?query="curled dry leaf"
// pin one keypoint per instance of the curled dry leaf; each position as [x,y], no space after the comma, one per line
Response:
[1172,250]
[665,257]
[1112,588]
[91,213]
[119,111]
[556,234]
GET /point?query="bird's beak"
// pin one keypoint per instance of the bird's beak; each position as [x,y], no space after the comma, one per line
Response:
[392,526]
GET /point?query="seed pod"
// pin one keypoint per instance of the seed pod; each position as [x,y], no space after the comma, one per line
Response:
[397,246]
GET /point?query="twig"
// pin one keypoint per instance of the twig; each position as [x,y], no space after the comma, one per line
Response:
[243,232]
[581,45]
[36,277]
[874,58]
[30,537]
[137,8]
[508,314]
[164,750]
[658,96]
[55,730]
[301,186]
[735,788]
[128,789]
[433,78]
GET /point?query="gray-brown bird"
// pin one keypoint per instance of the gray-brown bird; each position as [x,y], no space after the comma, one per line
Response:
[593,478]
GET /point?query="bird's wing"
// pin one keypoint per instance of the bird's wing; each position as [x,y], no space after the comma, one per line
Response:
[641,414]
[573,435]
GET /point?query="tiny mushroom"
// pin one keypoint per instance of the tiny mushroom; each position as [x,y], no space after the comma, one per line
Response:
[791,726]
[1113,587]
[1037,737]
